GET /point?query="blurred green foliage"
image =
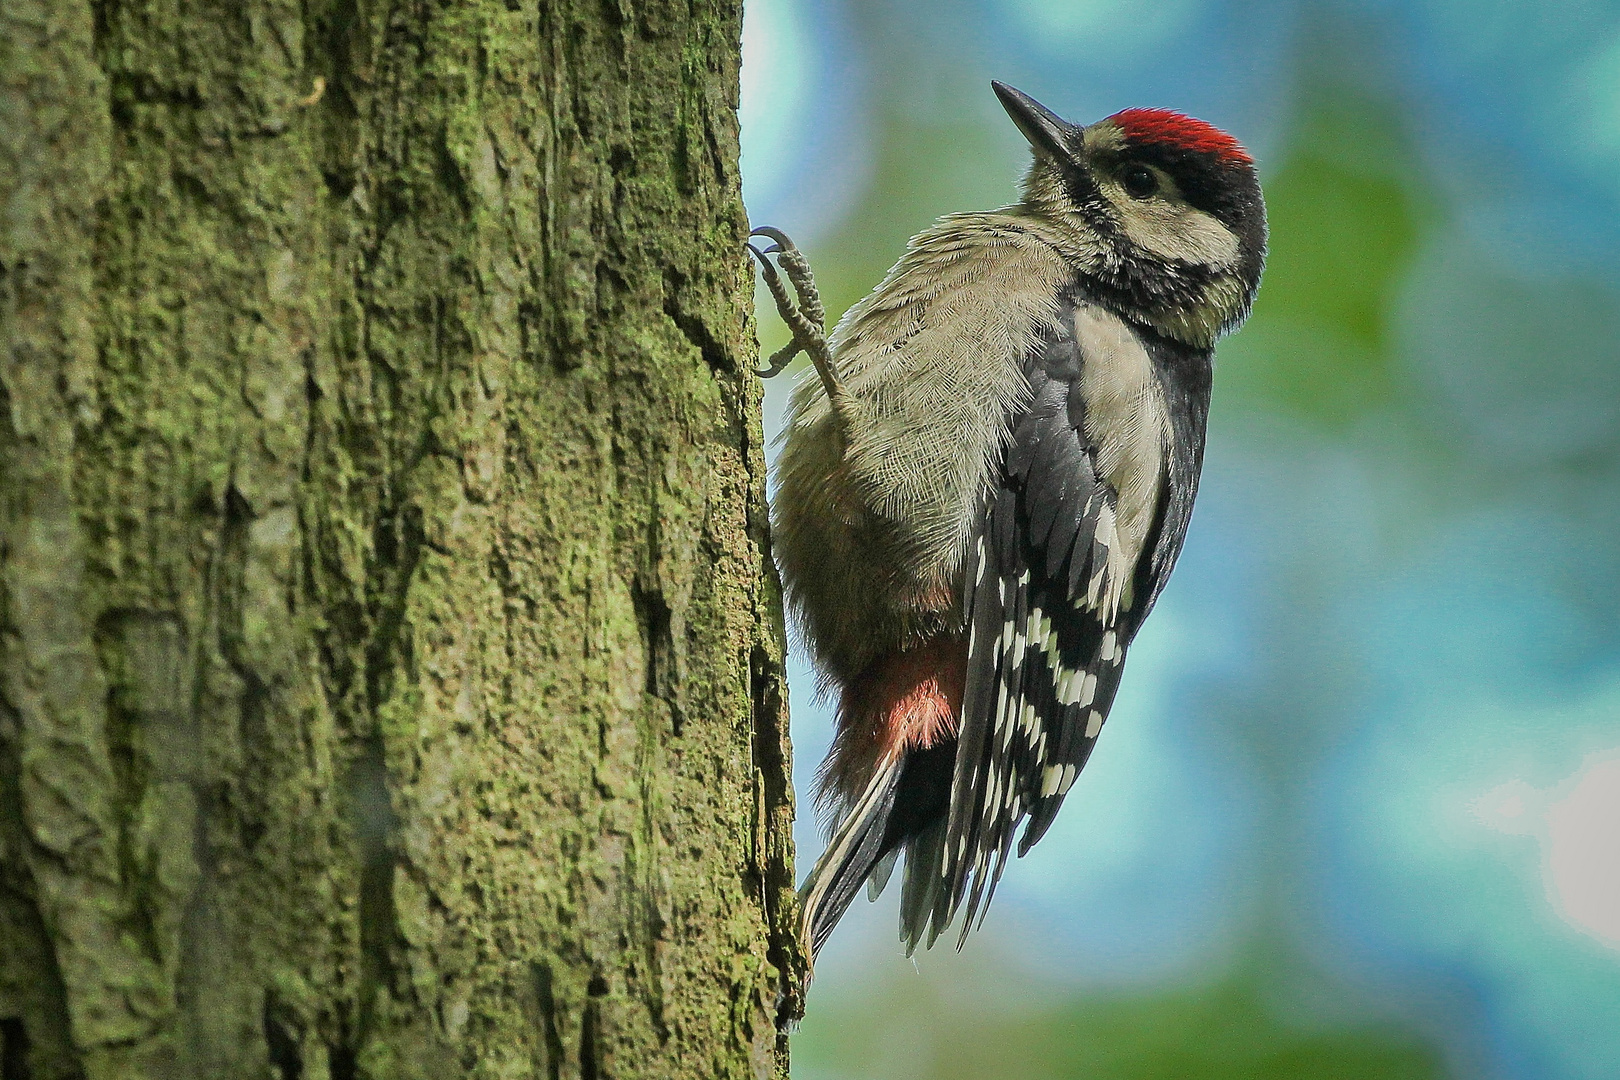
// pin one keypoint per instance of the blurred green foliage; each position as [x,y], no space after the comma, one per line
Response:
[1223,1032]
[1348,209]
[921,172]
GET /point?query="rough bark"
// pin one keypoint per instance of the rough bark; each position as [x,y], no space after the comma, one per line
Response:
[390,658]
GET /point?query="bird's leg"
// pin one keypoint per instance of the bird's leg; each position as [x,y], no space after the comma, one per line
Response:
[806,319]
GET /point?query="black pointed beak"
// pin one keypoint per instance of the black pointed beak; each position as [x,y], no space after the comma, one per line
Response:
[1046,131]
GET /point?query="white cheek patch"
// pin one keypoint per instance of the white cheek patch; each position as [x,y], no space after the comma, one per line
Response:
[1176,231]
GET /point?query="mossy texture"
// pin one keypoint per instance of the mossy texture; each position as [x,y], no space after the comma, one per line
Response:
[390,656]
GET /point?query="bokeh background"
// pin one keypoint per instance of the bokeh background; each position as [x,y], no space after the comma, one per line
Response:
[1357,812]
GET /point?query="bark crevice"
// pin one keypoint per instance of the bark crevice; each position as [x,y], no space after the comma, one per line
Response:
[390,655]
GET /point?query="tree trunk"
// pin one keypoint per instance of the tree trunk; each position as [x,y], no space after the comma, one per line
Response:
[390,656]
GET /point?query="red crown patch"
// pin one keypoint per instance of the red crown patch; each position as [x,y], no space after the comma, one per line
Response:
[1176,129]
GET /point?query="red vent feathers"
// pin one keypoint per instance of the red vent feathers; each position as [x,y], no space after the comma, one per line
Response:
[1175,129]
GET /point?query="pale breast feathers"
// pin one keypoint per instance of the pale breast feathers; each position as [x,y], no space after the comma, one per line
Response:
[934,360]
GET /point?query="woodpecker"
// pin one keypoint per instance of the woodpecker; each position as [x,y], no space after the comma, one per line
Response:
[981,496]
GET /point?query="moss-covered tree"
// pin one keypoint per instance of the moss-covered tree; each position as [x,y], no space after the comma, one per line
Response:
[390,663]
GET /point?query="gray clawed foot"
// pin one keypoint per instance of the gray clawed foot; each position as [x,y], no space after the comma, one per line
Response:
[806,318]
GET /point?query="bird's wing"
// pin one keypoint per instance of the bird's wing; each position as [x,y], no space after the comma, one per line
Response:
[1053,594]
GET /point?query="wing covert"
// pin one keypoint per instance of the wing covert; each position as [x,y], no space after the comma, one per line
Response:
[1049,617]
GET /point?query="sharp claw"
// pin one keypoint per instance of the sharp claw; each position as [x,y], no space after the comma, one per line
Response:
[775,234]
[779,363]
[782,357]
[806,319]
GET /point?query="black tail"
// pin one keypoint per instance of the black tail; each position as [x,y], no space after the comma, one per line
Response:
[851,854]
[905,804]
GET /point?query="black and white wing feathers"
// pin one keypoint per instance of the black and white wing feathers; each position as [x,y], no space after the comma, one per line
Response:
[1049,616]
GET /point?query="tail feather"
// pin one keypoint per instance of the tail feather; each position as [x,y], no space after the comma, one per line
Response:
[925,860]
[880,874]
[852,854]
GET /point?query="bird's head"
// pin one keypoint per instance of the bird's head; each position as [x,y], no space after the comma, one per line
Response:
[1161,213]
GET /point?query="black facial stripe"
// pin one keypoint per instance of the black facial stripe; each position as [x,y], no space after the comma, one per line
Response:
[1134,280]
[1142,283]
[1206,182]
[1227,191]
[1084,193]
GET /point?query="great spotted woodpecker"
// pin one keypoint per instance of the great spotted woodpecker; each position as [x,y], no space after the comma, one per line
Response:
[983,493]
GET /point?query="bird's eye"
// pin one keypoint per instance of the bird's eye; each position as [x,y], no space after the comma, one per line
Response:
[1139,181]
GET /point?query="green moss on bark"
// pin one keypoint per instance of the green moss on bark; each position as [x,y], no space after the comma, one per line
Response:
[390,659]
